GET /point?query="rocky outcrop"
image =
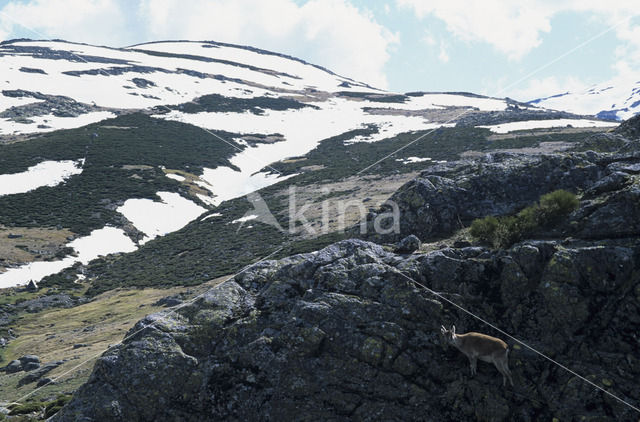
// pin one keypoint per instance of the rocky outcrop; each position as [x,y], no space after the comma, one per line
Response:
[13,367]
[56,300]
[57,105]
[630,128]
[32,286]
[36,373]
[345,334]
[25,363]
[6,317]
[515,112]
[448,197]
[169,301]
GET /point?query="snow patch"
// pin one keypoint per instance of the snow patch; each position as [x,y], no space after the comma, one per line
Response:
[411,160]
[103,241]
[302,131]
[245,218]
[215,214]
[302,74]
[205,198]
[50,123]
[541,124]
[46,173]
[173,80]
[176,177]
[389,129]
[159,218]
[618,98]
[436,101]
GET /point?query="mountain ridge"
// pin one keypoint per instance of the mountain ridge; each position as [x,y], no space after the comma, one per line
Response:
[619,100]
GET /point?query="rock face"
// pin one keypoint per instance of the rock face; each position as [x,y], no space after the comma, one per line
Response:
[344,334]
[447,197]
[59,106]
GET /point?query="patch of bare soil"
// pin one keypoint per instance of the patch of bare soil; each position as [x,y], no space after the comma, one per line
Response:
[20,245]
[336,205]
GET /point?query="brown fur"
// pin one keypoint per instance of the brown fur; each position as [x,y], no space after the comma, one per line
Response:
[481,346]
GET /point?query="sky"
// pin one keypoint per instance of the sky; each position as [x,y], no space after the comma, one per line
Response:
[521,49]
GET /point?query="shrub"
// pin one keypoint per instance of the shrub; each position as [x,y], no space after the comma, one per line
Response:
[22,409]
[54,406]
[503,232]
[484,229]
[557,204]
[507,233]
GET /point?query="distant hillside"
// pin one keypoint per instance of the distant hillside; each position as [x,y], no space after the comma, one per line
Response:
[155,135]
[609,100]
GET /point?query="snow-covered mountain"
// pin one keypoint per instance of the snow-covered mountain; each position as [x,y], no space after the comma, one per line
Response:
[257,107]
[49,85]
[616,100]
[69,85]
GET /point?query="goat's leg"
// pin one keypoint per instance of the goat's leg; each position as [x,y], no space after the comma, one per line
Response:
[508,372]
[503,368]
[500,367]
[473,361]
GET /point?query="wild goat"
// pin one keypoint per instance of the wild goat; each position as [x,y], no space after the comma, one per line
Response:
[481,346]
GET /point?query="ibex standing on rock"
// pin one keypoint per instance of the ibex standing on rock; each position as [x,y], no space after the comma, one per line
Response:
[481,346]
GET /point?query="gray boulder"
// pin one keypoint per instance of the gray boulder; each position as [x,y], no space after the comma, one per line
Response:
[169,301]
[409,244]
[13,366]
[6,317]
[29,359]
[39,373]
[44,381]
[30,366]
